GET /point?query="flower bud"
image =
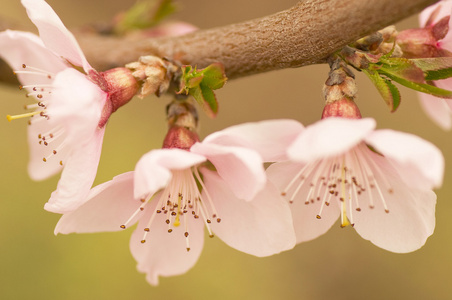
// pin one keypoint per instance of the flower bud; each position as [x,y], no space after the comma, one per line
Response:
[120,86]
[344,108]
[424,42]
[180,137]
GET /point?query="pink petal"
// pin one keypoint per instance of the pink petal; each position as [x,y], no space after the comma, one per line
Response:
[18,48]
[329,137]
[437,110]
[78,176]
[240,168]
[76,103]
[170,29]
[260,227]
[424,16]
[419,163]
[107,207]
[54,34]
[411,217]
[306,224]
[37,168]
[153,170]
[269,138]
[163,253]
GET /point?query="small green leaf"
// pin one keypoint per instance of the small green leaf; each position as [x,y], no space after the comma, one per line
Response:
[402,68]
[435,68]
[165,9]
[210,101]
[421,87]
[214,76]
[144,14]
[386,88]
[201,83]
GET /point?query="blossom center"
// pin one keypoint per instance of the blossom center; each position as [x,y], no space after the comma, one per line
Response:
[350,179]
[181,199]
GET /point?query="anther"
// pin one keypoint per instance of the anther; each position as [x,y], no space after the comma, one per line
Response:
[123,226]
[170,230]
[143,241]
[147,229]
[167,221]
[188,249]
[186,234]
[318,217]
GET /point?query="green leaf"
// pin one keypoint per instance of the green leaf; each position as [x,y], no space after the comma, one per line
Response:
[201,83]
[435,68]
[421,87]
[144,14]
[165,9]
[401,68]
[210,101]
[214,76]
[386,88]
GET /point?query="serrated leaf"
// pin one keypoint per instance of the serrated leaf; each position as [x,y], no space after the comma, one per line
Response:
[386,88]
[402,68]
[435,68]
[194,81]
[420,87]
[214,76]
[210,101]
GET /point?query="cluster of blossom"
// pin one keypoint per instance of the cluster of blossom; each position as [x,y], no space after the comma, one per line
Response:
[378,181]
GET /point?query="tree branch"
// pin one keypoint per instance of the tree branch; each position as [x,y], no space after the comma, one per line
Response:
[302,35]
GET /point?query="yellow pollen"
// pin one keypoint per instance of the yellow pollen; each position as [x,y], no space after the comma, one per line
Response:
[31,114]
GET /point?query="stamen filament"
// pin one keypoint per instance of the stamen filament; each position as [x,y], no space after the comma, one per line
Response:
[26,115]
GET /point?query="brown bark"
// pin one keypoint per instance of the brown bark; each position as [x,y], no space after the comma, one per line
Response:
[302,35]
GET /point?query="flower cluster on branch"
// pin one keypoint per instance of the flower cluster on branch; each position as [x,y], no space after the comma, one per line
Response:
[260,187]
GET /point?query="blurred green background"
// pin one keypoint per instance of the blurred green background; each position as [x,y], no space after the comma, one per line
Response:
[35,264]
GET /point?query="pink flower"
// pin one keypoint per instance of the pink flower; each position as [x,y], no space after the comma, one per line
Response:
[67,125]
[379,181]
[439,110]
[218,184]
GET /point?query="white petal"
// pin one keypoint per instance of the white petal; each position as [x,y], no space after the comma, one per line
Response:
[54,34]
[260,227]
[437,110]
[329,137]
[411,217]
[75,103]
[419,163]
[306,224]
[37,168]
[18,48]
[445,10]
[153,170]
[107,207]
[163,253]
[78,176]
[241,168]
[270,138]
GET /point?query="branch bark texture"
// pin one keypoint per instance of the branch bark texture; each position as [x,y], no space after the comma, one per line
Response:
[302,35]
